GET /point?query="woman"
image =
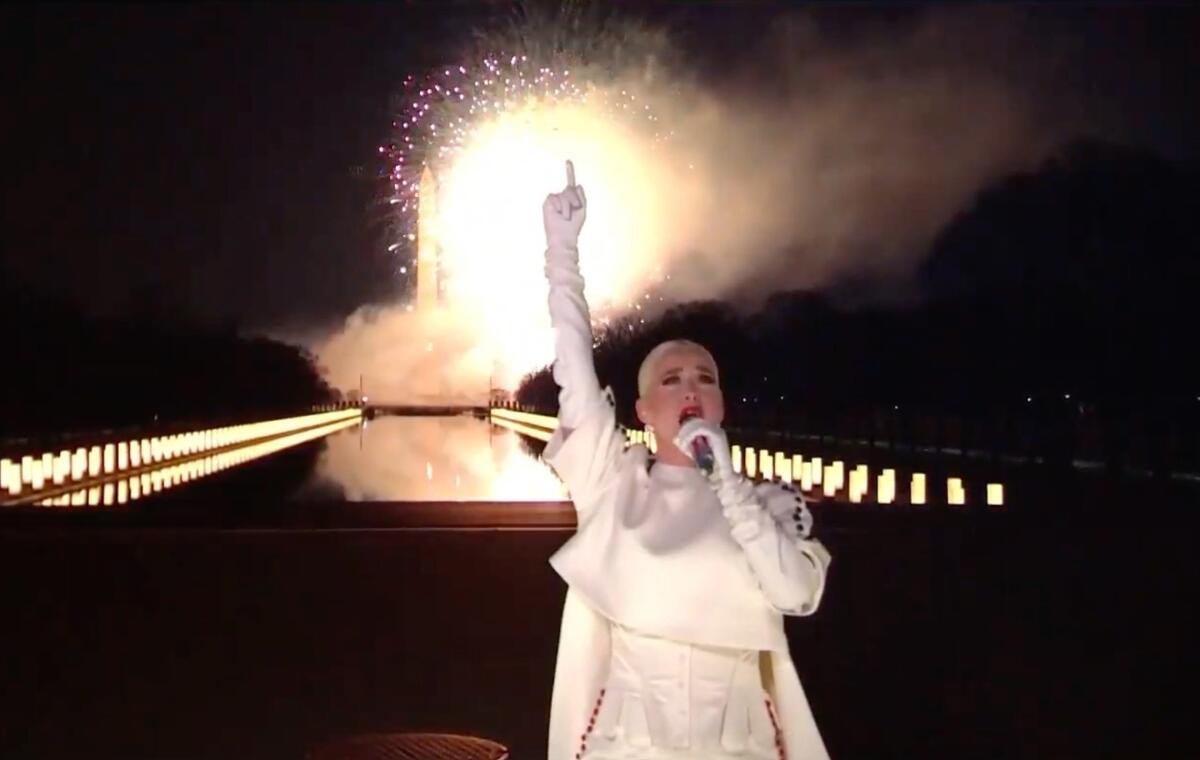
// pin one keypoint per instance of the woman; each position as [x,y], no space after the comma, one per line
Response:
[672,643]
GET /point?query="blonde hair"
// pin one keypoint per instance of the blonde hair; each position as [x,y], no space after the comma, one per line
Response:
[645,372]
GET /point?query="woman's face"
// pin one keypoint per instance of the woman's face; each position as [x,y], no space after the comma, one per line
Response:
[682,381]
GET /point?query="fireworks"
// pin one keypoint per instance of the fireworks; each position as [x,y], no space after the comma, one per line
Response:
[547,53]
[495,129]
[444,110]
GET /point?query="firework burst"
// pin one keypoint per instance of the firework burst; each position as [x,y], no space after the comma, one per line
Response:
[543,54]
[495,128]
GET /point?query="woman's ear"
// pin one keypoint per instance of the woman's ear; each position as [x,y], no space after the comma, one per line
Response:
[640,407]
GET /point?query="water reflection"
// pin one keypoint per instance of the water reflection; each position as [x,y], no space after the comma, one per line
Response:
[433,459]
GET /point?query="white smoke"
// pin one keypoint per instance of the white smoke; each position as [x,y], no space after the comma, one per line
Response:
[818,162]
[434,459]
[403,356]
[811,163]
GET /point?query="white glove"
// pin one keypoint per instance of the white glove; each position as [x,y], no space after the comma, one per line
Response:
[563,215]
[698,427]
[738,502]
[787,506]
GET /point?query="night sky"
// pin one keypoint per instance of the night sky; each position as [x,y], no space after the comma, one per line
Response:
[204,157]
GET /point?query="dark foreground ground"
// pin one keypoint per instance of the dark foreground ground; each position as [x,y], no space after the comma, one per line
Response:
[1057,629]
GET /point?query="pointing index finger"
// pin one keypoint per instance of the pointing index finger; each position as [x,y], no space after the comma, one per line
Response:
[570,174]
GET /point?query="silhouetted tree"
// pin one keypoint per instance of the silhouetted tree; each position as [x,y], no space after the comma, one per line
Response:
[65,372]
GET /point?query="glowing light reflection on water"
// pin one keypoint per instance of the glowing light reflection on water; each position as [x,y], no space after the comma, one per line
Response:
[434,459]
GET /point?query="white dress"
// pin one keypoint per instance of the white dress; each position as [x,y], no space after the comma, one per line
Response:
[668,699]
[676,609]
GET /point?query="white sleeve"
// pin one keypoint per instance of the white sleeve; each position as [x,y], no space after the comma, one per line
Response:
[586,448]
[579,394]
[588,458]
[787,506]
[789,567]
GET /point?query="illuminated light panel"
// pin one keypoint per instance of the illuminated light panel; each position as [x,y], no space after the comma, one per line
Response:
[110,458]
[917,494]
[886,488]
[62,468]
[544,421]
[784,469]
[524,429]
[766,465]
[829,481]
[956,495]
[144,484]
[995,494]
[858,484]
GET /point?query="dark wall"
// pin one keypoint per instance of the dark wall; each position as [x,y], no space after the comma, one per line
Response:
[1054,628]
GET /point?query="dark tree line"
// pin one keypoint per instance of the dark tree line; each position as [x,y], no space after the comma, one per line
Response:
[63,371]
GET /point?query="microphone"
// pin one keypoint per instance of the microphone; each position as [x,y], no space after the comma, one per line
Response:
[701,451]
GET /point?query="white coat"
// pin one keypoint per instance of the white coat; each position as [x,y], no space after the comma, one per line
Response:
[686,601]
[736,612]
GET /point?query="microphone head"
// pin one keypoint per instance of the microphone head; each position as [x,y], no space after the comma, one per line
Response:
[701,450]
